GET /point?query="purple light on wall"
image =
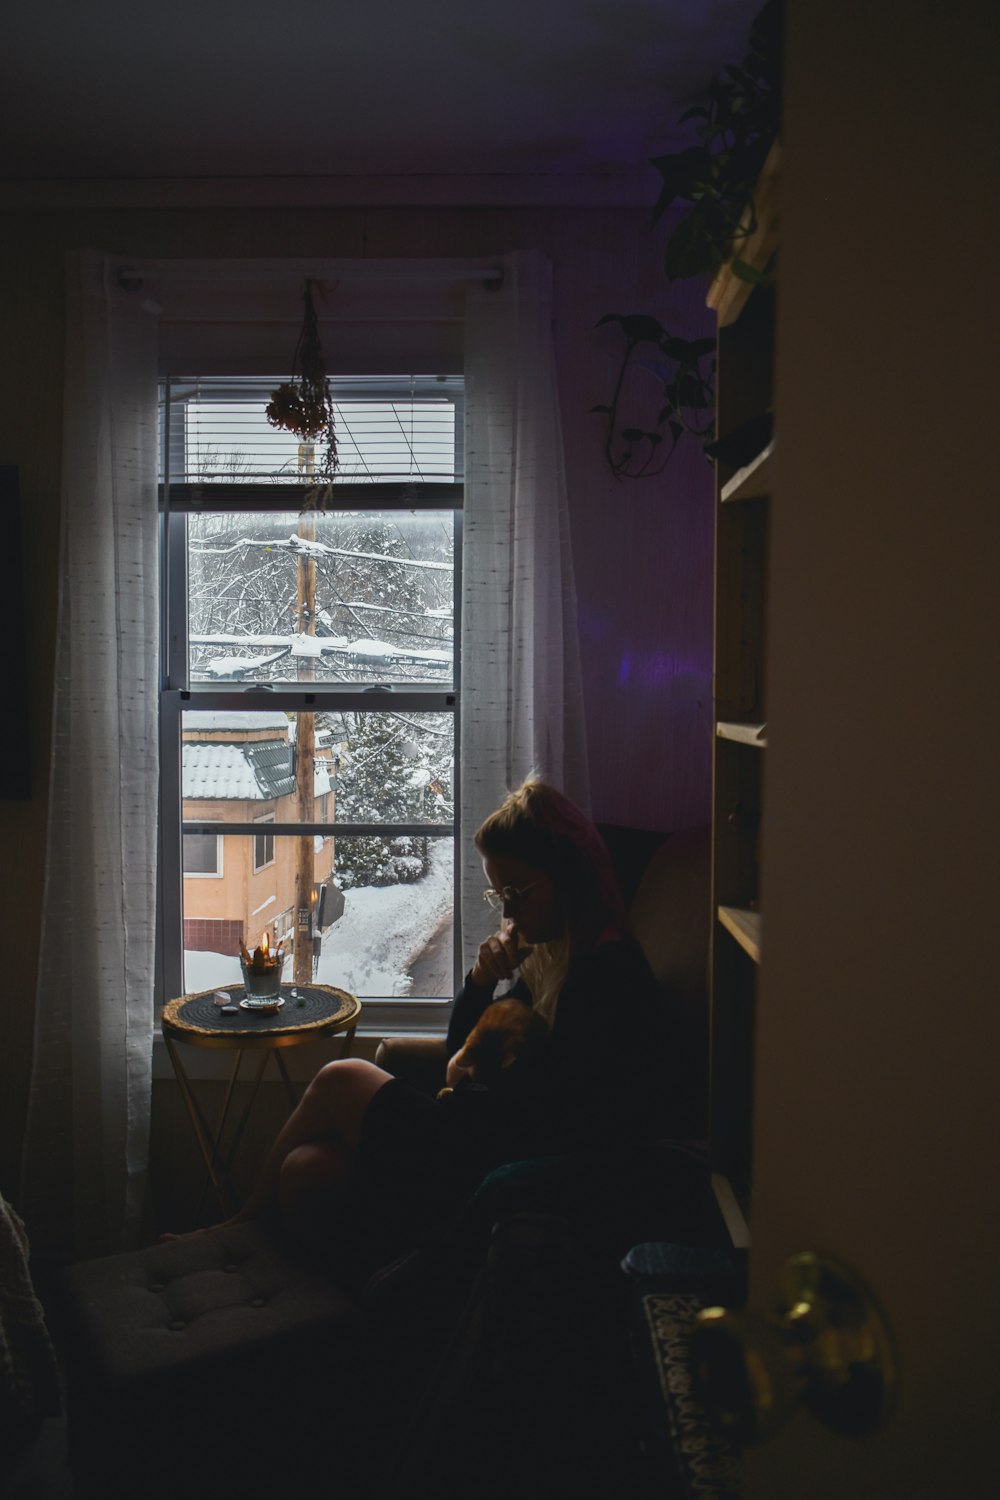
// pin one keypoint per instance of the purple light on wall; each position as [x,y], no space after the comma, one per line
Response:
[655,671]
[650,670]
[592,624]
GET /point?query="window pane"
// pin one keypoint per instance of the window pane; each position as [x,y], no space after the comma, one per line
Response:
[381,915]
[388,427]
[352,597]
[243,766]
[263,850]
[201,854]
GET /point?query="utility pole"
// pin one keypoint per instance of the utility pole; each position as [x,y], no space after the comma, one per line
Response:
[305,752]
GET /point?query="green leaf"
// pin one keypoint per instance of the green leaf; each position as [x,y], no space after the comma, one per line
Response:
[691,250]
[680,174]
[633,434]
[636,326]
[690,390]
[746,272]
[676,348]
[642,328]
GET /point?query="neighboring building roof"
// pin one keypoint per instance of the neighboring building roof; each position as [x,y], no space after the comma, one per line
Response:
[250,771]
[273,765]
[219,772]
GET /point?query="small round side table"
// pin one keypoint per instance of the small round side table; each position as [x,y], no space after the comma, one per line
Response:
[309,1012]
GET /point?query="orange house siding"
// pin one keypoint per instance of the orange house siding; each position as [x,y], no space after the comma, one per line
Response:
[242,902]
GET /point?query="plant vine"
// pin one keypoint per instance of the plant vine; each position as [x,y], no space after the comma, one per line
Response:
[687,395]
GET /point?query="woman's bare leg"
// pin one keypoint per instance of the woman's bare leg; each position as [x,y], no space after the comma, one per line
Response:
[310,1179]
[330,1113]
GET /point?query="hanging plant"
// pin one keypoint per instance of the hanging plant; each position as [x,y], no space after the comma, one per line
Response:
[304,405]
[737,126]
[686,393]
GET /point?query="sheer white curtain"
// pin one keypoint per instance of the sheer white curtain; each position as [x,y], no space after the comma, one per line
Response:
[522,711]
[522,699]
[88,1120]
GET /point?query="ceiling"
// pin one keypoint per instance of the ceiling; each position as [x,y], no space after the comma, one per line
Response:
[118,89]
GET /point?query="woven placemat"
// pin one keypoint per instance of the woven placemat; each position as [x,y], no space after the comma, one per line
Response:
[307,1007]
[706,1464]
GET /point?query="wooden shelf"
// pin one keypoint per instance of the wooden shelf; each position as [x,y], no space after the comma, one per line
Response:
[728,294]
[745,927]
[743,734]
[752,482]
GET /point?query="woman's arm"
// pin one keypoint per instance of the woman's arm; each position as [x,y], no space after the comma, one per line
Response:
[498,959]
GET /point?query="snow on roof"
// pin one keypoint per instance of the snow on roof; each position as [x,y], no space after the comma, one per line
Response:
[219,772]
[234,773]
[233,719]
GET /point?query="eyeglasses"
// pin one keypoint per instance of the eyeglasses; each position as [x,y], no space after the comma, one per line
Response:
[499,899]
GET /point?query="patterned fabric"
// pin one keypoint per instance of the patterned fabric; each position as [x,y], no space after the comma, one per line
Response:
[708,1466]
[29,1378]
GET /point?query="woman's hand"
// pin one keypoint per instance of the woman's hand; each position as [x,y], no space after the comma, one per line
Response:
[499,956]
[456,1070]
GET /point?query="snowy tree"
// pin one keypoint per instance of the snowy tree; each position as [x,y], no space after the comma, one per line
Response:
[395,769]
[383,597]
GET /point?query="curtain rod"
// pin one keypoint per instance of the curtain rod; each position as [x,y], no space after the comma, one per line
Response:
[132,278]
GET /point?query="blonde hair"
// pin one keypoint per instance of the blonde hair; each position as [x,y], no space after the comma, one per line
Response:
[544,972]
[538,824]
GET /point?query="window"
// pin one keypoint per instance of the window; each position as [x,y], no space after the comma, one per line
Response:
[263,845]
[311,670]
[202,854]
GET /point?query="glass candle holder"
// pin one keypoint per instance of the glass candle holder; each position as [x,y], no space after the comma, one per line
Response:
[263,986]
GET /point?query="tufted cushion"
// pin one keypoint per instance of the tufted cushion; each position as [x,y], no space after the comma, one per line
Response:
[192,1363]
[205,1297]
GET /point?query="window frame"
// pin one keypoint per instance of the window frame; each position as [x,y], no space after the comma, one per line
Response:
[381,1014]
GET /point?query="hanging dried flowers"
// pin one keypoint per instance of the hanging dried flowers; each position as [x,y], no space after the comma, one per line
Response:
[304,405]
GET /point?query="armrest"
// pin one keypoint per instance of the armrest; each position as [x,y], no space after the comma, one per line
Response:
[419,1060]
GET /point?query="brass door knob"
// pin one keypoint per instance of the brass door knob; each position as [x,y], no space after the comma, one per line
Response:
[824,1344]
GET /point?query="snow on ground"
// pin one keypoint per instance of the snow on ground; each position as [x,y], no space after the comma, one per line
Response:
[203,971]
[370,950]
[385,928]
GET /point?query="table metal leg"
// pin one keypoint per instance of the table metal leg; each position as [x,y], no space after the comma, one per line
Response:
[209,1147]
[245,1114]
[221,1126]
[293,1094]
[219,1160]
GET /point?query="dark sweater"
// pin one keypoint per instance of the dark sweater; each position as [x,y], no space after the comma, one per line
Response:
[612,1064]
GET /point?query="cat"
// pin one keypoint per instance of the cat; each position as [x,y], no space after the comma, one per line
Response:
[504,1048]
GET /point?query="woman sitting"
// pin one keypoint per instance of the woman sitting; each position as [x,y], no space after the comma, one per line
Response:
[389,1164]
